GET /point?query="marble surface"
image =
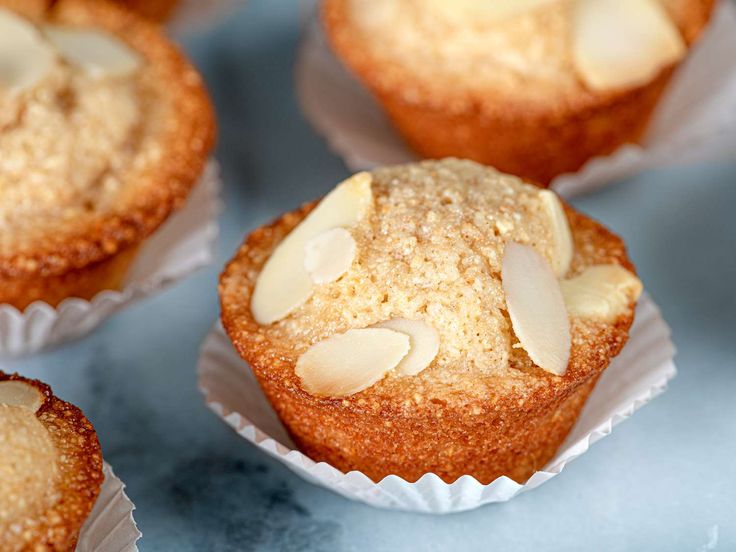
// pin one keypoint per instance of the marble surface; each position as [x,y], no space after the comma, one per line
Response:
[664,479]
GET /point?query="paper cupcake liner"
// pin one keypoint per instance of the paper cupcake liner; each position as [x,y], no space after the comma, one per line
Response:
[185,243]
[695,121]
[110,526]
[635,377]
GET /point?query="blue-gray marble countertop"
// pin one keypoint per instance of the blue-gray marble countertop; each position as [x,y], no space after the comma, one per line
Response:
[664,480]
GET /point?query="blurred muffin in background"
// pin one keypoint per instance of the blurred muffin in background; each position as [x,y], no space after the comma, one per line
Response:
[105,128]
[534,87]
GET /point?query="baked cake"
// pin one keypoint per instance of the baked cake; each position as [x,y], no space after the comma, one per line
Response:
[534,87]
[105,129]
[433,317]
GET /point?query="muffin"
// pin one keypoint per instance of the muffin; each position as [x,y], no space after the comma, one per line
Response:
[434,317]
[532,88]
[105,129]
[50,468]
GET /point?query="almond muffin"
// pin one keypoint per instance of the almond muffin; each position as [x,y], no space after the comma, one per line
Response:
[434,317]
[105,129]
[50,468]
[534,88]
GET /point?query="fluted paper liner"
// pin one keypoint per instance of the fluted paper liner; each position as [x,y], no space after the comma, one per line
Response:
[695,121]
[185,243]
[110,526]
[635,377]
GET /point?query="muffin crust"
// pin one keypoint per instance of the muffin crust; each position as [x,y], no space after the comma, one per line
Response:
[51,470]
[482,407]
[157,10]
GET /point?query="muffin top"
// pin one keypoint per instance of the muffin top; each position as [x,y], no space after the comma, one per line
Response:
[432,252]
[69,137]
[50,467]
[430,247]
[456,53]
[101,139]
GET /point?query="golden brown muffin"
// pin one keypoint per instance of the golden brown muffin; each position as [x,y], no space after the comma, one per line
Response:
[98,150]
[157,10]
[507,92]
[50,468]
[431,248]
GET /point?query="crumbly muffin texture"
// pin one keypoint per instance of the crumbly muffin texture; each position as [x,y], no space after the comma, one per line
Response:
[431,249]
[527,57]
[70,144]
[28,469]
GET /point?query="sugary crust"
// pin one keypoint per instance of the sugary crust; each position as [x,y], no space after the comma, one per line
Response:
[512,431]
[536,140]
[186,141]
[80,468]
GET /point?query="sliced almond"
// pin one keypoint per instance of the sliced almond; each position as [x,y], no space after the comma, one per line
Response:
[424,344]
[485,11]
[25,57]
[284,283]
[20,393]
[622,43]
[328,255]
[348,363]
[536,307]
[603,292]
[96,52]
[561,234]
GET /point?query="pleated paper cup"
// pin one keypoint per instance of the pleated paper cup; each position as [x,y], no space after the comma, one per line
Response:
[635,377]
[110,527]
[185,243]
[694,123]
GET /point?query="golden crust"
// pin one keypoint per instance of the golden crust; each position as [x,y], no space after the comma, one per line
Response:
[82,283]
[534,146]
[535,140]
[28,8]
[381,432]
[157,10]
[80,468]
[186,141]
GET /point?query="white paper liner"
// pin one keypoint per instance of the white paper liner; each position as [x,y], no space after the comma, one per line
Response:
[110,526]
[695,121]
[185,243]
[635,377]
